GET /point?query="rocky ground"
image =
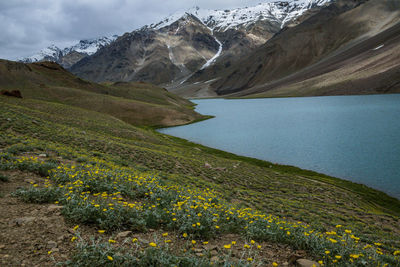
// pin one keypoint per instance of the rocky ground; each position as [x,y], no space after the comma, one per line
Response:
[38,235]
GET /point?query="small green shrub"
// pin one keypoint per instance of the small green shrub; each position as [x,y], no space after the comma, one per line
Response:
[39,195]
[119,217]
[45,168]
[81,160]
[4,178]
[102,254]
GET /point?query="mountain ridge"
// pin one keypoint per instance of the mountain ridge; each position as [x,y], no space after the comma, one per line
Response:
[222,20]
[69,55]
[255,25]
[168,53]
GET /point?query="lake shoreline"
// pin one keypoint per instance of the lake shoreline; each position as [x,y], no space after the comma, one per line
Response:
[279,163]
[331,180]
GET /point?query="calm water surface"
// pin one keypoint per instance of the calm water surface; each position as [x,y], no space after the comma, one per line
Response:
[352,137]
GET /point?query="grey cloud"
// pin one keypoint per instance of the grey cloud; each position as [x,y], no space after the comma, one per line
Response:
[27,26]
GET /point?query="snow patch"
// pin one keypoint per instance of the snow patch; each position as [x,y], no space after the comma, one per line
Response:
[210,81]
[378,47]
[214,58]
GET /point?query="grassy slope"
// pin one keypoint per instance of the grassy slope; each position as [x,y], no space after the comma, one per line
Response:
[285,191]
[136,103]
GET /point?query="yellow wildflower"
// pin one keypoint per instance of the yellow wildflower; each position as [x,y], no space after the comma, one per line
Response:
[110,258]
[152,244]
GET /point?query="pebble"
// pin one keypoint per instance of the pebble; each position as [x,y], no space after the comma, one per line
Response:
[23,220]
[306,263]
[123,234]
[53,207]
[51,244]
[215,259]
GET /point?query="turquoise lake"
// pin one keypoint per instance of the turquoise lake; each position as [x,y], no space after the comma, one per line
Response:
[351,137]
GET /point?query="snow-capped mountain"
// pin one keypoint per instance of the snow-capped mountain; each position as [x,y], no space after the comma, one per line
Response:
[280,12]
[90,46]
[51,52]
[172,51]
[70,55]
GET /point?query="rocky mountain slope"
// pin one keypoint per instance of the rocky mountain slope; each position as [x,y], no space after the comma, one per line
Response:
[70,55]
[171,51]
[350,47]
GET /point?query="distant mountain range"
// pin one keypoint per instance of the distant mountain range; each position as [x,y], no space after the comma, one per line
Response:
[281,48]
[259,23]
[171,51]
[70,55]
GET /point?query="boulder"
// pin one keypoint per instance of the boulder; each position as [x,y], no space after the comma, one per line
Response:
[14,93]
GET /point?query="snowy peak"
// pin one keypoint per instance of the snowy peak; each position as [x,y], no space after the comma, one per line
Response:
[86,47]
[50,53]
[280,12]
[90,46]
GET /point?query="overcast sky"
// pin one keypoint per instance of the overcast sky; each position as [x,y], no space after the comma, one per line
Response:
[27,26]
